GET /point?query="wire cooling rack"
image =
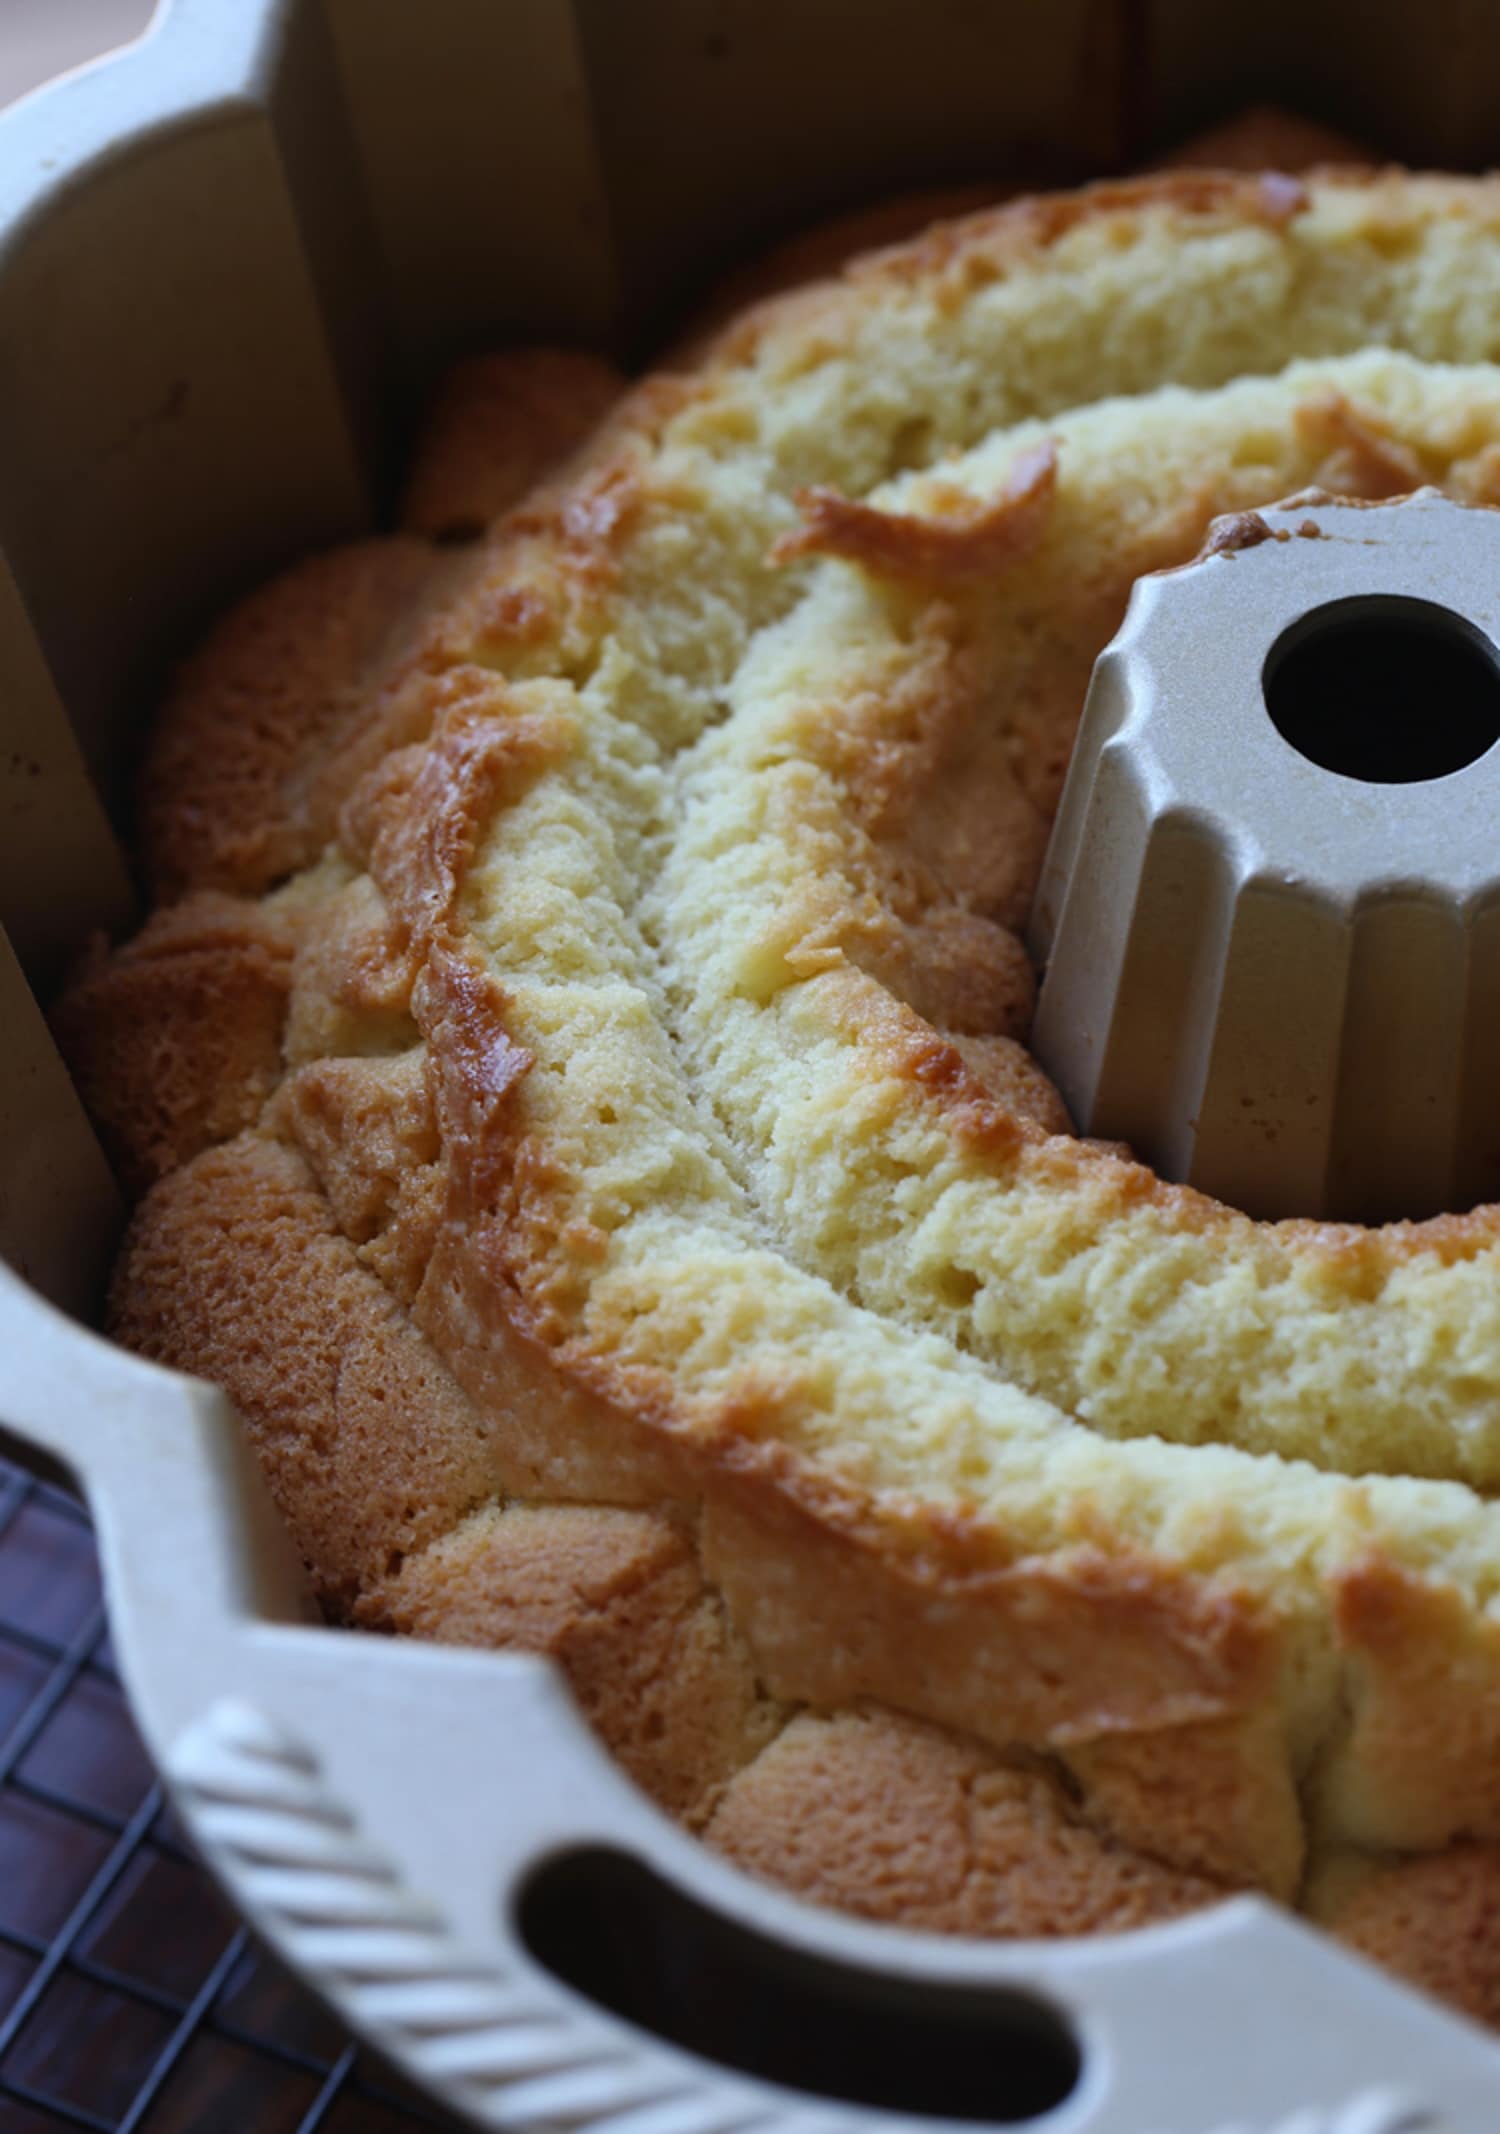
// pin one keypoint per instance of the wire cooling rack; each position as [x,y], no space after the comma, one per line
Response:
[131,1998]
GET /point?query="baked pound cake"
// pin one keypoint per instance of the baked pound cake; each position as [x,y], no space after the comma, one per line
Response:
[576,1078]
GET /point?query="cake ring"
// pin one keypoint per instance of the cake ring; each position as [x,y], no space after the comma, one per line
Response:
[576,1074]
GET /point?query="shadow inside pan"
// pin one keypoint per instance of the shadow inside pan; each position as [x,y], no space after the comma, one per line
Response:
[615,1931]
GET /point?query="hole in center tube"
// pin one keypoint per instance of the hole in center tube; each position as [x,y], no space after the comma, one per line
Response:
[615,1931]
[1385,689]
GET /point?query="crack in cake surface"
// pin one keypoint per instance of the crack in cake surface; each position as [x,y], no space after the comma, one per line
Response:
[742,896]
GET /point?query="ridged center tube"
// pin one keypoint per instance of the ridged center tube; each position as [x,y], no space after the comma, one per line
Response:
[1270,912]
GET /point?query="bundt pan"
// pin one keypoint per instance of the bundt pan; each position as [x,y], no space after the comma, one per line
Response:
[231,260]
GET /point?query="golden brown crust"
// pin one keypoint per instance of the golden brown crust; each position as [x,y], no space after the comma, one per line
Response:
[1011,1078]
[229,794]
[841,1603]
[957,970]
[956,257]
[1434,1921]
[964,544]
[1361,459]
[414,819]
[501,422]
[1218,1796]
[365,1128]
[1419,1763]
[235,1270]
[175,1042]
[895,1821]
[616,1599]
